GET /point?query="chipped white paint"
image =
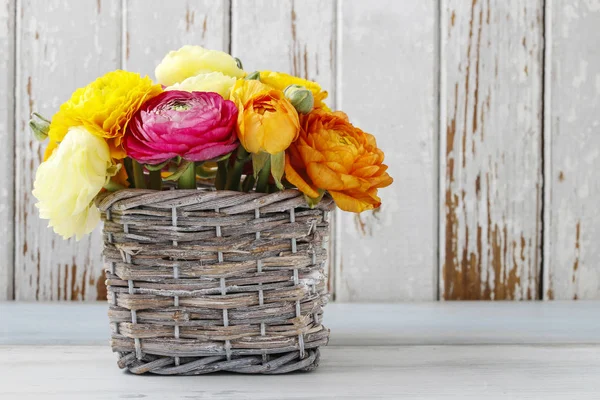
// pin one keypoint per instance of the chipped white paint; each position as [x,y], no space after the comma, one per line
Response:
[388,79]
[7,79]
[155,27]
[490,150]
[63,45]
[296,37]
[573,135]
[379,61]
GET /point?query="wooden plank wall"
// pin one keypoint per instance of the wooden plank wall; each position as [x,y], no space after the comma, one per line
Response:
[572,259]
[491,140]
[7,103]
[487,111]
[388,82]
[61,45]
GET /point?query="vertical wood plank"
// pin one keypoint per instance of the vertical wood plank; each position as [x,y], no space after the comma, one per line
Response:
[389,88]
[491,114]
[63,45]
[291,36]
[155,27]
[7,124]
[572,264]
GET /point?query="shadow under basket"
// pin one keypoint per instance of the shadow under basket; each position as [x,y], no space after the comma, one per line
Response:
[201,281]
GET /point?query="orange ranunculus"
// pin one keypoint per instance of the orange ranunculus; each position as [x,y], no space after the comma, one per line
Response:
[267,121]
[333,155]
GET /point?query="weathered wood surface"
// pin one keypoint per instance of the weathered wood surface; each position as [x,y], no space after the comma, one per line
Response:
[155,27]
[381,63]
[387,85]
[490,150]
[7,125]
[572,262]
[351,324]
[63,45]
[382,372]
[295,37]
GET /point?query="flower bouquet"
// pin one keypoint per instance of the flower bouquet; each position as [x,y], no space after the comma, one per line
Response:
[215,188]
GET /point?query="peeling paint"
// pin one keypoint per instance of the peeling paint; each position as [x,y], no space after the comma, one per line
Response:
[577,250]
[486,255]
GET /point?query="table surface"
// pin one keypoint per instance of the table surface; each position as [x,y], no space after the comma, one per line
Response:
[453,350]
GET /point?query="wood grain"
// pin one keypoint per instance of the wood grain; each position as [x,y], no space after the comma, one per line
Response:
[63,45]
[155,27]
[7,130]
[379,372]
[490,150]
[572,179]
[389,88]
[351,324]
[295,37]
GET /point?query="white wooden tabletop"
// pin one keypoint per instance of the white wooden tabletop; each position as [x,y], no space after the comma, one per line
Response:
[378,351]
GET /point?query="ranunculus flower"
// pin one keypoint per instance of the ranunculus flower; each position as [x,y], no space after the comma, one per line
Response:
[66,184]
[267,121]
[333,155]
[212,82]
[190,61]
[104,108]
[280,81]
[196,126]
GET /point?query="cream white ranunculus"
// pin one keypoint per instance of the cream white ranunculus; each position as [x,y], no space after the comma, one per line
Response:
[215,82]
[190,61]
[67,182]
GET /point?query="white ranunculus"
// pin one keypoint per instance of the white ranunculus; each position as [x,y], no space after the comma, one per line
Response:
[211,82]
[190,61]
[67,182]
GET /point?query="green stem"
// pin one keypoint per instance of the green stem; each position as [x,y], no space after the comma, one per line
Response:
[262,184]
[235,174]
[188,179]
[221,177]
[248,183]
[138,175]
[155,180]
[127,163]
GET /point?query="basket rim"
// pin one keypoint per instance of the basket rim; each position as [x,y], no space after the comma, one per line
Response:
[125,199]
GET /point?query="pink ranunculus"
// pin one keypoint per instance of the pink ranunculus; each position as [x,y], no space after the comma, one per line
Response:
[197,126]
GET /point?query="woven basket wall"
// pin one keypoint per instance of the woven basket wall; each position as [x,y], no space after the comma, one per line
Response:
[202,281]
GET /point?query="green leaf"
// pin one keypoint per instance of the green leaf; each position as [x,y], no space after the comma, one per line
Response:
[179,171]
[312,202]
[277,168]
[254,76]
[113,186]
[239,63]
[258,162]
[220,158]
[157,167]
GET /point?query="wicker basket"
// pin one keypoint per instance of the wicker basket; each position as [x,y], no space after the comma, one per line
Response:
[201,281]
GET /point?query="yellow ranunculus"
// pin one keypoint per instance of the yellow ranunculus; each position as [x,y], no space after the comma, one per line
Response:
[104,107]
[190,61]
[212,82]
[280,81]
[267,121]
[66,184]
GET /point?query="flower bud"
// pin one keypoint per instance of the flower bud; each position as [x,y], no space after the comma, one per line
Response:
[254,76]
[39,126]
[301,98]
